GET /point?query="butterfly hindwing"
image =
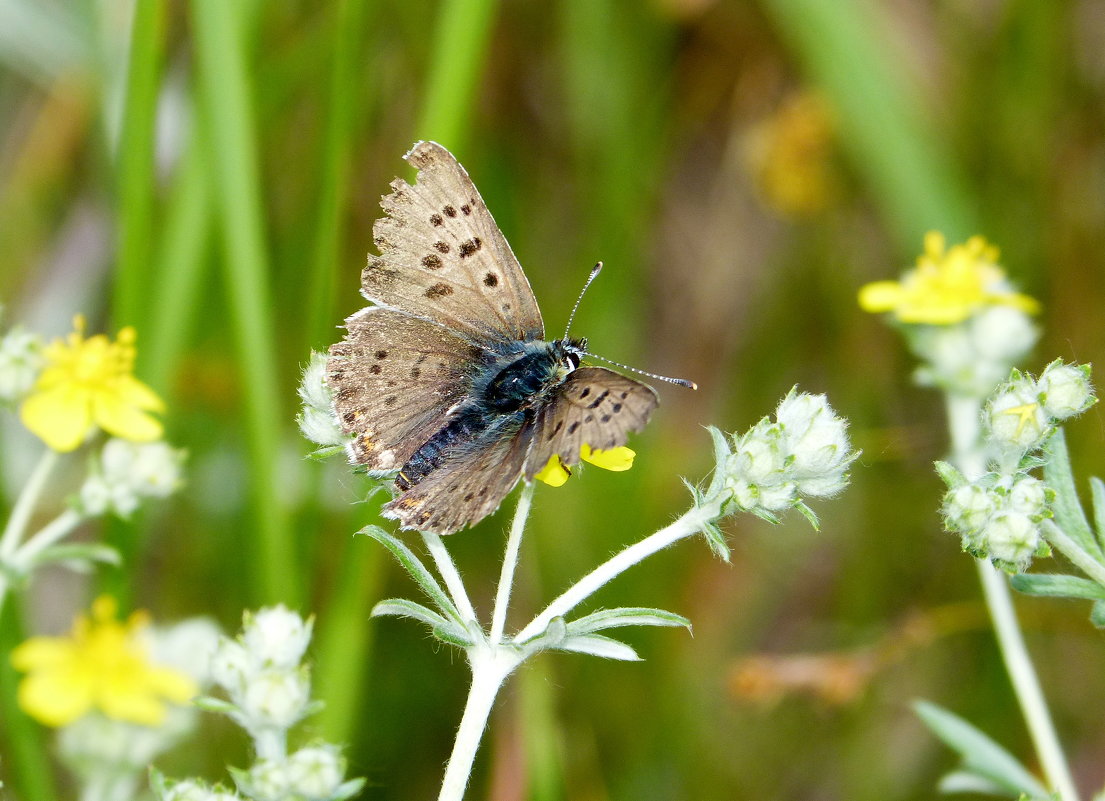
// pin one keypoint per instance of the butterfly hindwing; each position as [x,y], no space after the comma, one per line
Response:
[394,378]
[443,257]
[468,486]
[593,406]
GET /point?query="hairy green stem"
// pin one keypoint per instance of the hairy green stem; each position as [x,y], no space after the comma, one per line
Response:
[25,504]
[449,573]
[510,563]
[964,422]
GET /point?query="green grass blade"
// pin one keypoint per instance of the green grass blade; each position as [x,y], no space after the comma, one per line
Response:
[225,100]
[459,51]
[881,122]
[135,168]
[334,186]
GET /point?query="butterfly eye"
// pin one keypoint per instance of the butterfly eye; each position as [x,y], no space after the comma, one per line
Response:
[573,360]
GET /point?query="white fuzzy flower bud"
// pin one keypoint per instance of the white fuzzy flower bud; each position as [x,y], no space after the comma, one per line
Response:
[1012,538]
[778,497]
[1028,497]
[275,699]
[1065,389]
[316,772]
[1015,418]
[316,417]
[1002,336]
[20,363]
[232,666]
[268,780]
[188,790]
[128,472]
[276,636]
[967,508]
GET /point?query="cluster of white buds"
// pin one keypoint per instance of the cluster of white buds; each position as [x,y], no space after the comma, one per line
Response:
[316,416]
[126,472]
[1023,412]
[998,515]
[269,691]
[20,363]
[803,453]
[973,356]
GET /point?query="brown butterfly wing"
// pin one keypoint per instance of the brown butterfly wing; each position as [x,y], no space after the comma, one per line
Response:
[394,379]
[442,256]
[595,406]
[470,485]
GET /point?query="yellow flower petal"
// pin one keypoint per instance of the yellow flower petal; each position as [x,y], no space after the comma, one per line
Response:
[41,652]
[616,459]
[136,393]
[54,699]
[115,416]
[135,705]
[554,473]
[60,417]
[880,296]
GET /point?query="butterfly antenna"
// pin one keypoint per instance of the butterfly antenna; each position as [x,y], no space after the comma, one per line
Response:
[680,381]
[594,274]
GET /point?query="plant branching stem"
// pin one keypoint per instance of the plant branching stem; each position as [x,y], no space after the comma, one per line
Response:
[449,573]
[510,563]
[964,423]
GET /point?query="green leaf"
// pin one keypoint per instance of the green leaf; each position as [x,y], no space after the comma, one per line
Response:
[721,455]
[950,475]
[1097,614]
[78,555]
[981,755]
[963,781]
[1066,506]
[422,577]
[348,789]
[625,616]
[1097,488]
[715,538]
[401,607]
[1057,586]
[209,704]
[598,645]
[809,514]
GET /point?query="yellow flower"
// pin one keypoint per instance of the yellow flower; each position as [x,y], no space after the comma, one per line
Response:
[102,665]
[947,286]
[86,383]
[554,473]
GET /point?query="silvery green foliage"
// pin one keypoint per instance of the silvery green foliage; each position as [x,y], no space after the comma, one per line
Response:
[269,691]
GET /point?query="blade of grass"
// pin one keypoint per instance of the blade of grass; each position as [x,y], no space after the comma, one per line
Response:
[225,102]
[334,188]
[135,167]
[26,755]
[459,51]
[880,119]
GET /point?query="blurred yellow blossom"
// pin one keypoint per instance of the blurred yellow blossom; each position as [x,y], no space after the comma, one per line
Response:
[947,286]
[790,156]
[554,473]
[102,665]
[86,383]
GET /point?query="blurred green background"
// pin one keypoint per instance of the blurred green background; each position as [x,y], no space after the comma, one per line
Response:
[209,172]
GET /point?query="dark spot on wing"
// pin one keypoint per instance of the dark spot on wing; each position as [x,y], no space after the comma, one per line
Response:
[466,209]
[374,369]
[491,280]
[617,407]
[435,220]
[390,400]
[625,395]
[391,382]
[439,291]
[468,497]
[556,429]
[381,354]
[441,247]
[470,247]
[605,418]
[377,274]
[573,427]
[584,393]
[415,373]
[432,262]
[588,418]
[598,399]
[450,211]
[506,307]
[349,417]
[345,393]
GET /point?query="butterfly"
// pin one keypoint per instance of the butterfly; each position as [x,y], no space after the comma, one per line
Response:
[447,382]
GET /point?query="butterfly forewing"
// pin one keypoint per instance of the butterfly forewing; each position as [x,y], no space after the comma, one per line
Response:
[394,378]
[469,486]
[593,406]
[443,257]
